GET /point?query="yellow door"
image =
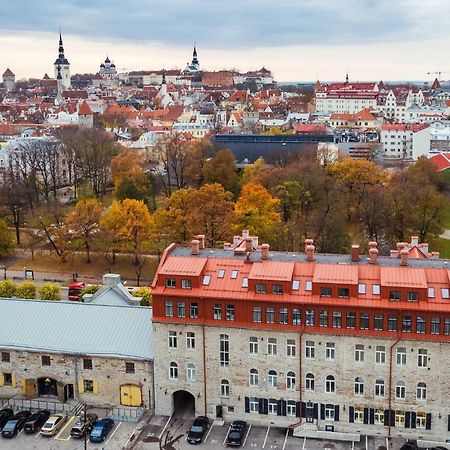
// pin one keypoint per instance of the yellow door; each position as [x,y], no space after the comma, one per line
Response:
[130,395]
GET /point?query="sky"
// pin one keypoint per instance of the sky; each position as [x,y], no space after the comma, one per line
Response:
[299,40]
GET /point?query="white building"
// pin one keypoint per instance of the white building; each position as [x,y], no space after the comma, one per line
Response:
[62,66]
[108,69]
[405,140]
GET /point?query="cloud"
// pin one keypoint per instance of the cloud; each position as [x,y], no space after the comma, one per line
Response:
[221,24]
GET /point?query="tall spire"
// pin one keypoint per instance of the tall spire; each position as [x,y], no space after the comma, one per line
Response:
[346,77]
[164,76]
[195,62]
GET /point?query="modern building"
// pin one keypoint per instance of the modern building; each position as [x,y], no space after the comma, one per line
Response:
[93,353]
[332,346]
[405,140]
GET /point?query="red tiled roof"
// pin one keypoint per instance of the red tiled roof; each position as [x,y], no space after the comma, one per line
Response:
[272,270]
[414,127]
[310,128]
[183,266]
[403,277]
[8,73]
[85,110]
[333,273]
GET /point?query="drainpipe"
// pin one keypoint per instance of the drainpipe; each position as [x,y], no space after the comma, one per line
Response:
[390,382]
[204,365]
[300,375]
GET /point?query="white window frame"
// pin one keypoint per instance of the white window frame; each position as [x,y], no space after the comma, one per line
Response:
[253,345]
[400,356]
[272,379]
[400,390]
[310,350]
[309,381]
[359,353]
[173,370]
[253,378]
[191,372]
[330,384]
[359,386]
[172,339]
[291,348]
[272,407]
[421,391]
[422,357]
[225,388]
[272,347]
[379,388]
[190,340]
[330,351]
[380,354]
[290,380]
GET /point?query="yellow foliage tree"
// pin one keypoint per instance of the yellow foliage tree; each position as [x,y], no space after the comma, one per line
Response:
[83,222]
[258,211]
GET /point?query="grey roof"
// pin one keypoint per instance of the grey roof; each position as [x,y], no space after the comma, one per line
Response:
[321,258]
[76,328]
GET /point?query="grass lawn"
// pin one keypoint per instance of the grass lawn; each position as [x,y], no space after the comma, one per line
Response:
[442,246]
[45,261]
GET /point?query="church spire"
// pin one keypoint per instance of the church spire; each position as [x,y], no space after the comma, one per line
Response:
[194,57]
[346,77]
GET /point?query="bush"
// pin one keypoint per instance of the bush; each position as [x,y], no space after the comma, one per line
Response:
[50,291]
[91,289]
[26,290]
[7,289]
[146,295]
[6,240]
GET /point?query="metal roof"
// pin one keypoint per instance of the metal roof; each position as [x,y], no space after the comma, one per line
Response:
[76,328]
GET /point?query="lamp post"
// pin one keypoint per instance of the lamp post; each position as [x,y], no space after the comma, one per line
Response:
[85,429]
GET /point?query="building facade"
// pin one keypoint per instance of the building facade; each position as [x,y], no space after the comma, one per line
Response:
[319,343]
[405,140]
[62,66]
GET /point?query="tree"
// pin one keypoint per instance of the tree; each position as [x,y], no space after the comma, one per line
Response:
[26,290]
[258,211]
[130,220]
[127,173]
[6,240]
[50,291]
[7,289]
[198,153]
[222,169]
[146,295]
[84,222]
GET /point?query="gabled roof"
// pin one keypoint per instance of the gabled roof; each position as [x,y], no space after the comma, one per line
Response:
[8,73]
[85,109]
[272,270]
[403,277]
[183,266]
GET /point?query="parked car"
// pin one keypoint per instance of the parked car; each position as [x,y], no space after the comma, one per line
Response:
[101,430]
[5,415]
[35,421]
[198,430]
[83,427]
[236,434]
[15,424]
[409,446]
[53,424]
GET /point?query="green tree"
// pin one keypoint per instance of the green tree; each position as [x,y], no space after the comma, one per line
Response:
[26,290]
[50,291]
[6,240]
[145,293]
[90,289]
[222,169]
[7,289]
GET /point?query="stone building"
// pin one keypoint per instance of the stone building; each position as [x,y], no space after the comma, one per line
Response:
[333,346]
[9,80]
[94,353]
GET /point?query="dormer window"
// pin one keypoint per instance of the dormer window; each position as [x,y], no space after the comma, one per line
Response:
[394,296]
[186,284]
[308,285]
[343,293]
[295,285]
[361,288]
[206,280]
[244,282]
[412,296]
[277,289]
[325,292]
[445,293]
[171,283]
[234,274]
[221,273]
[261,288]
[431,293]
[375,289]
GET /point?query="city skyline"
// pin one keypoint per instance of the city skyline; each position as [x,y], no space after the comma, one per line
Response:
[297,41]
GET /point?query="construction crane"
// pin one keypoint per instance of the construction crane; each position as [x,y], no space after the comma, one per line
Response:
[438,73]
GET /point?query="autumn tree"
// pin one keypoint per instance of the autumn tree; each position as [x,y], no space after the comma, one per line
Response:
[6,240]
[221,169]
[130,220]
[198,153]
[83,222]
[258,211]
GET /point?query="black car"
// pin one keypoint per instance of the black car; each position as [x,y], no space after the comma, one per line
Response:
[15,424]
[83,427]
[198,430]
[409,446]
[5,415]
[236,434]
[35,421]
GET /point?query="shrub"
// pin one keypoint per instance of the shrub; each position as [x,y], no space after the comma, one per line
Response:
[49,291]
[6,240]
[7,289]
[146,295]
[91,289]
[26,290]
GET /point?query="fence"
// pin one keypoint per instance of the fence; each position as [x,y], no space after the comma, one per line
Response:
[37,405]
[127,414]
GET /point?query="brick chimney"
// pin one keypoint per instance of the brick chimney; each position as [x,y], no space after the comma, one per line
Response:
[414,240]
[404,257]
[400,246]
[373,255]
[308,242]
[309,250]
[265,251]
[355,252]
[248,244]
[245,234]
[201,239]
[195,246]
[373,244]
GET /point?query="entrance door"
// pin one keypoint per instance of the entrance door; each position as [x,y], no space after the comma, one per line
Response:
[183,404]
[309,412]
[47,386]
[30,388]
[68,391]
[130,395]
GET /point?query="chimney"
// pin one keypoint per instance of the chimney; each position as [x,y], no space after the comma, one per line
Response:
[111,279]
[404,257]
[393,254]
[373,255]
[265,251]
[309,250]
[226,245]
[308,242]
[195,247]
[248,244]
[236,240]
[245,234]
[414,240]
[400,246]
[355,252]
[201,239]
[373,244]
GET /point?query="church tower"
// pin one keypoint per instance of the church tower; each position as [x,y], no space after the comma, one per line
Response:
[59,86]
[195,62]
[63,64]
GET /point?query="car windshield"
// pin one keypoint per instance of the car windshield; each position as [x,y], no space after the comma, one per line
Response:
[10,425]
[97,431]
[48,425]
[234,434]
[196,429]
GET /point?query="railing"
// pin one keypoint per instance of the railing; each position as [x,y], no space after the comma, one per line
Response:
[127,414]
[37,405]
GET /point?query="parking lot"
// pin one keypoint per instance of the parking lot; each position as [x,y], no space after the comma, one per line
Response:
[116,439]
[270,438]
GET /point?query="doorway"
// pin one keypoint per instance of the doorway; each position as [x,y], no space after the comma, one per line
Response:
[130,395]
[68,391]
[183,404]
[47,386]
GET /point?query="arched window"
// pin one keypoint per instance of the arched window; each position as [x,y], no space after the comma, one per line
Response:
[330,384]
[400,389]
[290,380]
[254,378]
[421,391]
[272,378]
[173,370]
[224,388]
[379,388]
[309,382]
[359,386]
[191,372]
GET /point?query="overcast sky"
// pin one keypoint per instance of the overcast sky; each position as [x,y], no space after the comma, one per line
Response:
[296,39]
